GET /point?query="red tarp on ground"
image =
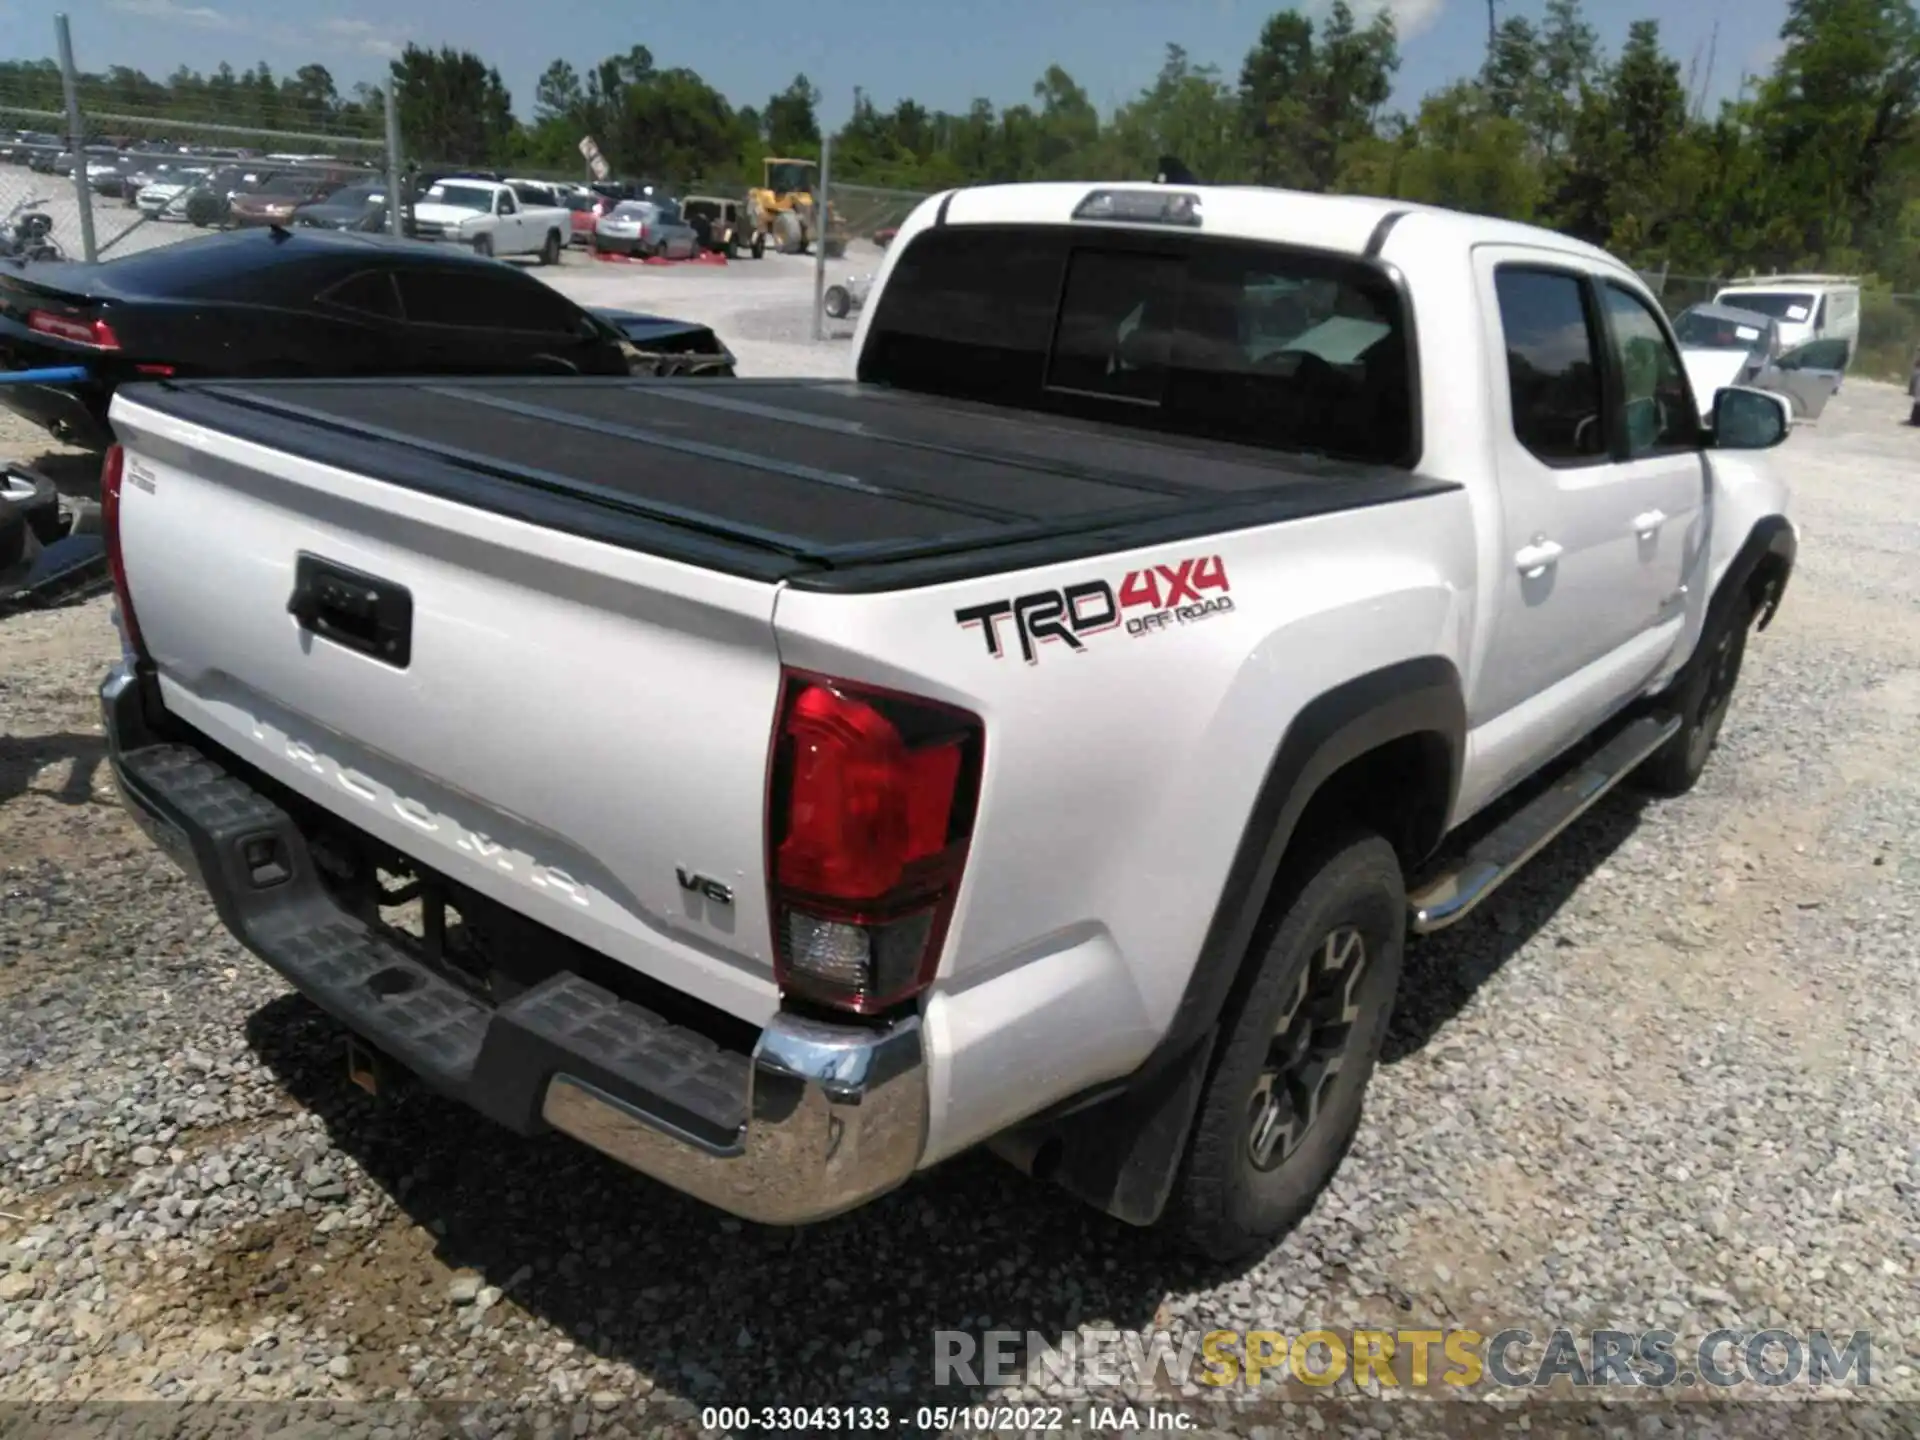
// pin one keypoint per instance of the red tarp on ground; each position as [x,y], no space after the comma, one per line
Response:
[705,257]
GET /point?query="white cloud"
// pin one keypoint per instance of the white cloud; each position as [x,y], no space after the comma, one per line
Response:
[1410,17]
[1413,16]
[200,17]
[360,37]
[363,36]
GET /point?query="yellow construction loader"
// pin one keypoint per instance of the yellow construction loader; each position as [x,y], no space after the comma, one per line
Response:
[784,205]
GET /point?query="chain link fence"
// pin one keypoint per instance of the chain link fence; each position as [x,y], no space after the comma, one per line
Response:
[865,218]
[1889,336]
[154,163]
[31,149]
[146,164]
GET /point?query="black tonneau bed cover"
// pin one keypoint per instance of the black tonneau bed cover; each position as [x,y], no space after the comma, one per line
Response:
[827,484]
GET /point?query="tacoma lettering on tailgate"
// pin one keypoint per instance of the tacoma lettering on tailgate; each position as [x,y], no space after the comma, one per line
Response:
[444,828]
[1144,603]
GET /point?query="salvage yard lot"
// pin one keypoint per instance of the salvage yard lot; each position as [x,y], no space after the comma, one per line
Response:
[1665,1079]
[761,308]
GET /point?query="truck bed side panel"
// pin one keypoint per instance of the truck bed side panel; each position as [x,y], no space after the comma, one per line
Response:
[1120,774]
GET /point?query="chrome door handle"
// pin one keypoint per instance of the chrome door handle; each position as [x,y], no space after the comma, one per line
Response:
[1531,560]
[1647,522]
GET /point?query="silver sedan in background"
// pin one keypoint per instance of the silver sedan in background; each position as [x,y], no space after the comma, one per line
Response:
[646,227]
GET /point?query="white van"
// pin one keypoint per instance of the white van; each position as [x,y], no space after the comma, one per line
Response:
[1805,307]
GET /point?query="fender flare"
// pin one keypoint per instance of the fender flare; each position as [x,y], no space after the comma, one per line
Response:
[1120,1146]
[1772,538]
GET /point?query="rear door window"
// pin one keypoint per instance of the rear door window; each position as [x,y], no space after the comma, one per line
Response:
[481,298]
[369,293]
[1261,344]
[1553,364]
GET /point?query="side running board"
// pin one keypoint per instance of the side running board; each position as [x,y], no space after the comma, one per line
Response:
[1453,894]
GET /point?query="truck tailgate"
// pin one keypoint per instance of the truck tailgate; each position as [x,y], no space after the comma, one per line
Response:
[569,728]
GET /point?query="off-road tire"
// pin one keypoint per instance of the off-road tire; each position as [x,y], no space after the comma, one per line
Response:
[835,302]
[1913,415]
[34,496]
[1702,698]
[550,252]
[759,250]
[790,234]
[1224,1205]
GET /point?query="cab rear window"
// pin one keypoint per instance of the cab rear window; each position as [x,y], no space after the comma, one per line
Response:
[1261,344]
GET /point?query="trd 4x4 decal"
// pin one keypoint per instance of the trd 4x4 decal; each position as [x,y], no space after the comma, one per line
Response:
[1147,602]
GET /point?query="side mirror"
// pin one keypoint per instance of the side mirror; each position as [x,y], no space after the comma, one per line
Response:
[1746,419]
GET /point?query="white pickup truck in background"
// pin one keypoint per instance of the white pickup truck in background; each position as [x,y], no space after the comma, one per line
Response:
[492,219]
[1048,739]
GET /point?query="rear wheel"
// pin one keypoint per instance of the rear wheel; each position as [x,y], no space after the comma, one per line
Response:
[550,252]
[1284,1099]
[1913,415]
[835,301]
[759,249]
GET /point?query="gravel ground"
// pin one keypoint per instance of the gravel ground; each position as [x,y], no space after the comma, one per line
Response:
[1666,1081]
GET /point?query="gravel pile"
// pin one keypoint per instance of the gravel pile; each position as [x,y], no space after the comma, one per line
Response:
[1667,1080]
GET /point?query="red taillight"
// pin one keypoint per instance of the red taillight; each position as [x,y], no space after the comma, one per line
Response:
[112,472]
[95,333]
[870,809]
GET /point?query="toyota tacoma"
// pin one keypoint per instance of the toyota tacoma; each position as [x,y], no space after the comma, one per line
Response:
[1048,738]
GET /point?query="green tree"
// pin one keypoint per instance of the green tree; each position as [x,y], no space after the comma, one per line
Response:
[1304,101]
[1189,112]
[675,127]
[1838,114]
[1617,186]
[1275,97]
[1067,126]
[310,95]
[1569,67]
[453,107]
[1464,154]
[1512,73]
[790,122]
[558,94]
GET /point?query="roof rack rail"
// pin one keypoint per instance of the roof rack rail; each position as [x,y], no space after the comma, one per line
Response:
[1798,279]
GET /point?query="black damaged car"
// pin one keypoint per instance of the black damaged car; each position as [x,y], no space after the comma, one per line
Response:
[276,302]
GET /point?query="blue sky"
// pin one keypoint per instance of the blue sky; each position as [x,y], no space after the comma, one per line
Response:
[942,54]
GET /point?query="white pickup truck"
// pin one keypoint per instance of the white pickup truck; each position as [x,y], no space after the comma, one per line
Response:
[1049,738]
[492,219]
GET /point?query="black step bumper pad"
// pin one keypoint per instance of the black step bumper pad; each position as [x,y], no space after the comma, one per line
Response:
[254,862]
